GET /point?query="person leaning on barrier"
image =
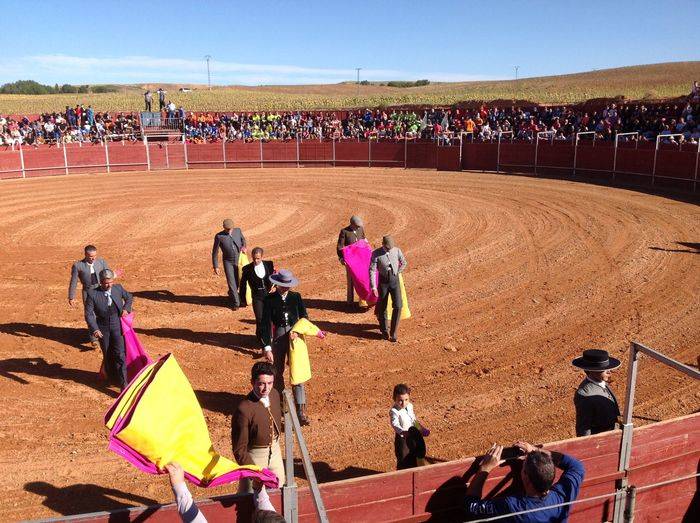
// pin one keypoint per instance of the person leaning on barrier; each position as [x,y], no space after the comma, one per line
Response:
[597,409]
[540,491]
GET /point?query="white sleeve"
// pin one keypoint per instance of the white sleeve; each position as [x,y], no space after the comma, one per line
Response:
[186,507]
[395,423]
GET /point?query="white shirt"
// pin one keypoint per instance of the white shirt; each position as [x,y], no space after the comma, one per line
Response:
[260,270]
[599,383]
[402,419]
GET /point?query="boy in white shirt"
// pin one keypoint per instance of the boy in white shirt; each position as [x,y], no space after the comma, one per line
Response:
[409,446]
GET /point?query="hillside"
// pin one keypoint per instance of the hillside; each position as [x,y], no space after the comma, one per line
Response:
[654,81]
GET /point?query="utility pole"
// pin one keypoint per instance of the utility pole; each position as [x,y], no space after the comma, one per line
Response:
[358,69]
[207,58]
[516,71]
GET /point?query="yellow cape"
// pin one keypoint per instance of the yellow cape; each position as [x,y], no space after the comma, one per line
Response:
[405,311]
[242,262]
[158,416]
[299,364]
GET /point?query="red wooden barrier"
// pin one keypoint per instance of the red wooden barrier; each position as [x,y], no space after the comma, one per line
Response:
[352,154]
[10,164]
[661,451]
[479,156]
[674,167]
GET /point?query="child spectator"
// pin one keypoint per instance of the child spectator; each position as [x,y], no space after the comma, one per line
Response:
[409,446]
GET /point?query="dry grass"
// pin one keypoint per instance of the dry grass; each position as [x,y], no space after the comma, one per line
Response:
[654,81]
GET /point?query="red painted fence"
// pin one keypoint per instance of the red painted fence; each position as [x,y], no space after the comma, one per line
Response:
[665,457]
[668,166]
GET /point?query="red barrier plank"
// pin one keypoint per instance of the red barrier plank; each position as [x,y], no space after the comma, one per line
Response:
[479,156]
[519,155]
[421,155]
[352,154]
[594,158]
[127,157]
[316,154]
[243,154]
[86,159]
[10,164]
[205,155]
[560,156]
[448,158]
[44,161]
[388,154]
[683,432]
[635,161]
[279,154]
[676,164]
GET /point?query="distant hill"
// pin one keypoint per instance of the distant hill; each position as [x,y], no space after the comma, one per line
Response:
[641,82]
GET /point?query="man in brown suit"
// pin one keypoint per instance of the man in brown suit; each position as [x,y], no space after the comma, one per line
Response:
[349,235]
[257,425]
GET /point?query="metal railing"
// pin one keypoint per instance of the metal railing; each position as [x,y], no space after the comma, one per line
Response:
[289,490]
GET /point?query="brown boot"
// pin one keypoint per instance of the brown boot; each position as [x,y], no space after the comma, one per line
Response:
[301,413]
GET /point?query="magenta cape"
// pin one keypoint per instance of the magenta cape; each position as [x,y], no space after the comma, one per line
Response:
[357,257]
[136,356]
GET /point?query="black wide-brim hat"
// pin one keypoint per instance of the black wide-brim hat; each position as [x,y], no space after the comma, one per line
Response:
[596,360]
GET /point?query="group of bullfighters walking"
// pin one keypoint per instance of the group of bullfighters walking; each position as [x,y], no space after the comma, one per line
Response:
[276,307]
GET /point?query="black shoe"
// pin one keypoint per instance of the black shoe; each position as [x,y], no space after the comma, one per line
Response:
[393,339]
[384,335]
[234,308]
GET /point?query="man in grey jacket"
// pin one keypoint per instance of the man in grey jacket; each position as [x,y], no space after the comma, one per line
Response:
[597,409]
[231,242]
[87,271]
[389,262]
[104,307]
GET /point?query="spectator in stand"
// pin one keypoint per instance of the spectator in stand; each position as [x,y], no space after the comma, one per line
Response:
[540,492]
[148,100]
[161,99]
[409,446]
[597,409]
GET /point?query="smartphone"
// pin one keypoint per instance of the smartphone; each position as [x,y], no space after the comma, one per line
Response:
[511,453]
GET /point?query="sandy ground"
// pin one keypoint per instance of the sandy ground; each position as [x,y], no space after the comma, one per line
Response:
[508,279]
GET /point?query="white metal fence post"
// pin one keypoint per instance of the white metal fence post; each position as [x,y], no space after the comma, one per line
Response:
[298,165]
[261,154]
[107,155]
[405,153]
[184,147]
[148,154]
[334,153]
[223,148]
[21,161]
[65,159]
[369,151]
[697,158]
[167,158]
[537,146]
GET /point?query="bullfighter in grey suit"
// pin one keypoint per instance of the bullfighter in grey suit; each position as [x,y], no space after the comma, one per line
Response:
[389,262]
[104,306]
[87,271]
[597,409]
[231,242]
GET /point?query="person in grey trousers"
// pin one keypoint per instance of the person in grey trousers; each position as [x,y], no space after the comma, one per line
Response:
[87,271]
[232,243]
[389,262]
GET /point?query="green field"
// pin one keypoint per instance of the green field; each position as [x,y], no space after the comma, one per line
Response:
[643,82]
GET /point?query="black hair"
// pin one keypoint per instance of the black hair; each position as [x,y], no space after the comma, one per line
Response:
[256,250]
[539,468]
[400,389]
[90,248]
[260,368]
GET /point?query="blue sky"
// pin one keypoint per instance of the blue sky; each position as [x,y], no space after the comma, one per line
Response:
[286,42]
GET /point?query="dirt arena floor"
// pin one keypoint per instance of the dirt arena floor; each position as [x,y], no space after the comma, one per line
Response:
[509,278]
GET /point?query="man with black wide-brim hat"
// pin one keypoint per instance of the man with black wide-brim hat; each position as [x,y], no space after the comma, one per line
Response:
[597,409]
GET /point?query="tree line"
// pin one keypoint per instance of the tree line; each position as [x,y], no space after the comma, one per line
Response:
[32,87]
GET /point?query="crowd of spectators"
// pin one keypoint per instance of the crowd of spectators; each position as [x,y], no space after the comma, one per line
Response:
[445,125]
[75,124]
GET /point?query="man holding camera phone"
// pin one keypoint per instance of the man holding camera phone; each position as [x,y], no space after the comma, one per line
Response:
[537,475]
